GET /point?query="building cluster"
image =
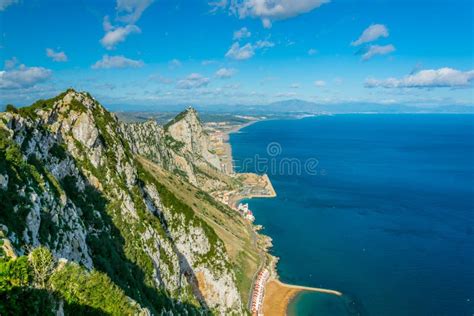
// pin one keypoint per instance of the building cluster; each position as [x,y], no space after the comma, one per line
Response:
[258,292]
[226,198]
[245,211]
[223,196]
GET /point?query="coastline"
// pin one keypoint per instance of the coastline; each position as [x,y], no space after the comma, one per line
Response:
[228,148]
[277,296]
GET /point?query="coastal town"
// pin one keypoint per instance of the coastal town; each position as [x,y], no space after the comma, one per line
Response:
[268,296]
[258,292]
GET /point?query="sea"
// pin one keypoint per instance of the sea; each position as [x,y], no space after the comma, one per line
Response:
[379,207]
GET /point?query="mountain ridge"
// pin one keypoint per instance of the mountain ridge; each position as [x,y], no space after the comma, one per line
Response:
[70,181]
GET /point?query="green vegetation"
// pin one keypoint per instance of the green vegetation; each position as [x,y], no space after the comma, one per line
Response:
[120,235]
[11,108]
[30,111]
[232,230]
[174,144]
[34,285]
[177,118]
[13,205]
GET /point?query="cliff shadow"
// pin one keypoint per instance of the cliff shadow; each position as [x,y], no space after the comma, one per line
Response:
[107,245]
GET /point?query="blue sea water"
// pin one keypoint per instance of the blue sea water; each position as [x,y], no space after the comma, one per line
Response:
[386,217]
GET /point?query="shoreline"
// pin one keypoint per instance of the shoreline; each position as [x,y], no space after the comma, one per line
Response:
[277,296]
[280,295]
[228,148]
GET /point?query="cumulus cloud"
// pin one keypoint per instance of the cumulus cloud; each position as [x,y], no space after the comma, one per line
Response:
[6,3]
[23,77]
[108,62]
[371,33]
[247,51]
[374,50]
[429,78]
[270,10]
[320,83]
[240,52]
[225,73]
[114,35]
[130,11]
[295,86]
[193,81]
[242,33]
[312,51]
[56,56]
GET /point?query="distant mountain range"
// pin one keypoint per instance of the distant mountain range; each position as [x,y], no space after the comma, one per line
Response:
[292,107]
[297,106]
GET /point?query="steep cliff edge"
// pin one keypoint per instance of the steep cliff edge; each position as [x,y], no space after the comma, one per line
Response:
[69,180]
[181,147]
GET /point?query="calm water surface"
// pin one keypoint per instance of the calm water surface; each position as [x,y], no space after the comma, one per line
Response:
[388,218]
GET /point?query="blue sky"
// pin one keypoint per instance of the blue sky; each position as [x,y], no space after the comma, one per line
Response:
[145,52]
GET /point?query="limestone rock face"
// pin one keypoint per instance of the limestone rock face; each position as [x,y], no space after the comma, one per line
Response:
[69,180]
[181,146]
[188,130]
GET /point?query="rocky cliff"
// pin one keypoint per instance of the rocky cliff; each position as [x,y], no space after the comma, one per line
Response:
[182,147]
[70,180]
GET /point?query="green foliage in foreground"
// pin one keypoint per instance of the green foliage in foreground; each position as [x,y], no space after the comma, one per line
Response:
[28,286]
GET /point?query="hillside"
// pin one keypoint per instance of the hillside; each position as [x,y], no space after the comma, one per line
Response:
[71,181]
[181,147]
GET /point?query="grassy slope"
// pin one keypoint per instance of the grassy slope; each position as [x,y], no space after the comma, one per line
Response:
[235,232]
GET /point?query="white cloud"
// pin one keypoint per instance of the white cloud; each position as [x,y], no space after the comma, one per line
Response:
[11,63]
[374,50]
[429,78]
[225,73]
[320,83]
[130,11]
[371,33]
[247,51]
[174,63]
[108,62]
[240,53]
[193,81]
[115,35]
[56,56]
[217,5]
[264,44]
[286,95]
[312,51]
[6,3]
[242,33]
[23,77]
[270,10]
[295,86]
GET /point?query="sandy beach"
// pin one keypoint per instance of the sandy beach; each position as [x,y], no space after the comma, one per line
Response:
[278,296]
[228,148]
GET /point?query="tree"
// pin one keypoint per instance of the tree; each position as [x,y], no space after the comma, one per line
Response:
[42,265]
[11,108]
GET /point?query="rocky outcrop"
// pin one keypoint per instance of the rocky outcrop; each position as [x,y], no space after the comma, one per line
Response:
[69,180]
[187,130]
[181,147]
